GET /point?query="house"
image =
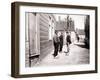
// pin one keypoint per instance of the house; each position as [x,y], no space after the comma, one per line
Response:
[87,31]
[65,25]
[40,29]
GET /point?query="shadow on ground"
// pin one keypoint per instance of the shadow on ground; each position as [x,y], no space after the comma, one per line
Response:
[82,46]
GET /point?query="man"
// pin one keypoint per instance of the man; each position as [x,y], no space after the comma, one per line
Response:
[68,41]
[77,37]
[56,44]
[61,42]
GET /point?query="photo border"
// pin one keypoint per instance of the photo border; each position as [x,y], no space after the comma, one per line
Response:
[15,32]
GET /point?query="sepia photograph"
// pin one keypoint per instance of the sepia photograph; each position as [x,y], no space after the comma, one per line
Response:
[56,39]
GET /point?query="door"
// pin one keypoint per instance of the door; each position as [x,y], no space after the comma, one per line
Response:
[32,35]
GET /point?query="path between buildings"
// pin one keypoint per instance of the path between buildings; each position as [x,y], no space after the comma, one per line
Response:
[78,55]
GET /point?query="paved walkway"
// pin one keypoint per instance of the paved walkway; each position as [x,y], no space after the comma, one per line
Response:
[78,55]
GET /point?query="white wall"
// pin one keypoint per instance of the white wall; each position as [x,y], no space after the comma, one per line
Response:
[5,41]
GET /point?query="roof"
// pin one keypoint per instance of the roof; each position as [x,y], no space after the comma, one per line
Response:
[60,25]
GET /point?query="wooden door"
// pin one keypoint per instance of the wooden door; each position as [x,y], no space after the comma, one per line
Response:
[32,34]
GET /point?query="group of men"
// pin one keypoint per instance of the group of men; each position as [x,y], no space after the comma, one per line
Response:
[58,42]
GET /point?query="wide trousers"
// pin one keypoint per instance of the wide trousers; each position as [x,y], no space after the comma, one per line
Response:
[56,46]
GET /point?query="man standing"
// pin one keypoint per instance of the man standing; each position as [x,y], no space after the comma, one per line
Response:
[61,42]
[68,41]
[56,43]
[77,37]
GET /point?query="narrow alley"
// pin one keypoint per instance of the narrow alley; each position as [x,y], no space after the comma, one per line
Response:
[78,55]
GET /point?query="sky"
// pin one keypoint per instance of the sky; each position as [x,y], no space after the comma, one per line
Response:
[78,19]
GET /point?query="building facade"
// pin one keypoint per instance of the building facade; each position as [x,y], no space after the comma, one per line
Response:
[40,29]
[87,31]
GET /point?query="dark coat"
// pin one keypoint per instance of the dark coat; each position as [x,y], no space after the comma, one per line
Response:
[68,39]
[61,39]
